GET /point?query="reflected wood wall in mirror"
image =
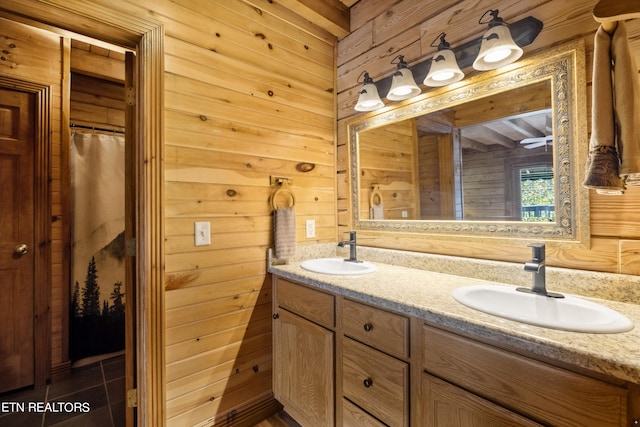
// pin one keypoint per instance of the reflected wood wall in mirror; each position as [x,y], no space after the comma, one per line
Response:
[497,155]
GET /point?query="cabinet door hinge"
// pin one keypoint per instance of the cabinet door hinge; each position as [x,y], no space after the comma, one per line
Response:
[132,398]
[130,246]
[130,96]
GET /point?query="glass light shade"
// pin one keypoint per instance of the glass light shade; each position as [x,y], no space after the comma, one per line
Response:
[403,86]
[369,99]
[497,49]
[444,69]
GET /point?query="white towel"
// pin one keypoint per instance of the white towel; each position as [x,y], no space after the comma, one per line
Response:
[284,232]
[377,211]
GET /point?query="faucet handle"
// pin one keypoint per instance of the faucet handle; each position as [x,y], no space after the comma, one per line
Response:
[538,251]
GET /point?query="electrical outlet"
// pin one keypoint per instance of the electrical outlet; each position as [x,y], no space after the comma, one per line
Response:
[203,233]
[405,214]
[311,228]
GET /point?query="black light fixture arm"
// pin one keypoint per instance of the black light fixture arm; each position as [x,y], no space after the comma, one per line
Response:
[495,19]
[443,44]
[524,32]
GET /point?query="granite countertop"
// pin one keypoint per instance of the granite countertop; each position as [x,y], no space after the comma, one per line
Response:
[427,295]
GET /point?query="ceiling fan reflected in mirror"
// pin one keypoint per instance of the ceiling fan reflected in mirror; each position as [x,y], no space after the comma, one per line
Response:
[539,141]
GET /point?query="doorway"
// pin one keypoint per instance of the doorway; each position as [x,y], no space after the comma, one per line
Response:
[98,288]
[118,26]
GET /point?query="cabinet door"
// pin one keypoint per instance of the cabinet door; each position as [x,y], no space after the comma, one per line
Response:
[447,405]
[303,369]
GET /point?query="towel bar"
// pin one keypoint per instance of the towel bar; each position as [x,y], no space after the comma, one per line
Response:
[283,189]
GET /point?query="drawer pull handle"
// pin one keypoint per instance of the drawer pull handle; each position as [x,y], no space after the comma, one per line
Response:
[275,316]
[368,382]
[368,327]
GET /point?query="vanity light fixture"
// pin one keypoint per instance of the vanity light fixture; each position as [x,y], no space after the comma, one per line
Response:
[497,48]
[444,68]
[478,52]
[403,86]
[369,99]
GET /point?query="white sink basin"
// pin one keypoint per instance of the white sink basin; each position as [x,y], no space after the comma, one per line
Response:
[337,266]
[569,313]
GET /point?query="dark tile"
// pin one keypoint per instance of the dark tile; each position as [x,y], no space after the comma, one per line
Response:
[116,390]
[95,418]
[81,378]
[113,368]
[24,394]
[21,419]
[118,411]
[94,397]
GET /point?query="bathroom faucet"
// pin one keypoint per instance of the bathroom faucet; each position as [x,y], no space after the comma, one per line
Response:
[537,267]
[352,247]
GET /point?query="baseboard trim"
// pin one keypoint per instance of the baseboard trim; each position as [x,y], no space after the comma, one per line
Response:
[249,415]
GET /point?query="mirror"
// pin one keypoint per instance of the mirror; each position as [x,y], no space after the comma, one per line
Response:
[496,155]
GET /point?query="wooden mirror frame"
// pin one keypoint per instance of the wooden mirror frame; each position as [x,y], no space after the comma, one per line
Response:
[564,66]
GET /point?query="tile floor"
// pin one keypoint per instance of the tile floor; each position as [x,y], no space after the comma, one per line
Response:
[92,397]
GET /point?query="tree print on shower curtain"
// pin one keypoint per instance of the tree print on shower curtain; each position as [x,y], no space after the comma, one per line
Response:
[89,318]
[98,252]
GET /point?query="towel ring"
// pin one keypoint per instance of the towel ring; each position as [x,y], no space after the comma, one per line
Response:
[284,189]
[375,193]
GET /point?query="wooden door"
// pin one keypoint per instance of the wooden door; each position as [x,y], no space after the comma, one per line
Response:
[303,370]
[17,149]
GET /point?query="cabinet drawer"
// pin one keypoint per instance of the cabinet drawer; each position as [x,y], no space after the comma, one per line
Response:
[385,331]
[447,405]
[534,389]
[314,305]
[376,382]
[353,416]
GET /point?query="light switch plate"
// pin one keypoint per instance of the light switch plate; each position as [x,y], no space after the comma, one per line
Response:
[203,233]
[311,228]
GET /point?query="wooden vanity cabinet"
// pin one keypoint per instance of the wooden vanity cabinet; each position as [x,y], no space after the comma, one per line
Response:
[338,362]
[375,370]
[467,382]
[304,353]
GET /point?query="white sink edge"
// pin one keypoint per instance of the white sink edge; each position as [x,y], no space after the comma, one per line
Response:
[618,324]
[367,267]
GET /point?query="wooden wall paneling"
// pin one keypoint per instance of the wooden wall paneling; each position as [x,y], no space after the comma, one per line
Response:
[365,10]
[616,215]
[329,14]
[630,257]
[611,220]
[96,102]
[249,95]
[290,64]
[96,65]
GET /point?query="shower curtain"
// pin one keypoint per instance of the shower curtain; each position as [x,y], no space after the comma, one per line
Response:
[98,250]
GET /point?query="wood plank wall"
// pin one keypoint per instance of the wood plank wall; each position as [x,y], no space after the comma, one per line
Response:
[382,29]
[97,86]
[387,161]
[249,93]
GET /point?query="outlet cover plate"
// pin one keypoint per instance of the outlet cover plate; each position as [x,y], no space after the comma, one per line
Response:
[311,228]
[202,233]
